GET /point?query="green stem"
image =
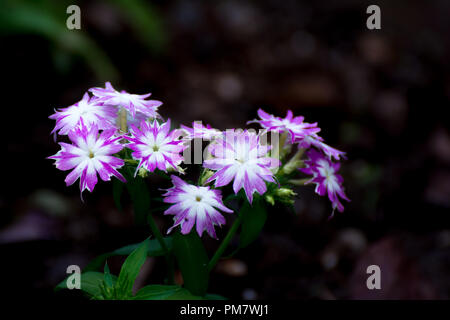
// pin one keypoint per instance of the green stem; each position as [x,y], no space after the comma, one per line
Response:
[199,181]
[299,182]
[167,255]
[225,242]
[131,161]
[123,120]
[293,163]
[282,142]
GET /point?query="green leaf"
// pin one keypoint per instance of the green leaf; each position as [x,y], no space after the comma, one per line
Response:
[118,187]
[192,260]
[183,294]
[169,292]
[130,269]
[254,218]
[156,292]
[90,283]
[107,276]
[154,250]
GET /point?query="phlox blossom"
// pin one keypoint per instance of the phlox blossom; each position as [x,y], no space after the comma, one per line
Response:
[155,146]
[133,103]
[292,125]
[316,141]
[195,205]
[88,155]
[199,131]
[89,111]
[242,157]
[325,177]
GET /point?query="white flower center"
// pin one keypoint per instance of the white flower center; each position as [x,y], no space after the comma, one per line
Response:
[328,173]
[83,108]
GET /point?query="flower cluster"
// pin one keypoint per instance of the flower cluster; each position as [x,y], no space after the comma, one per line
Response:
[110,129]
[92,127]
[319,163]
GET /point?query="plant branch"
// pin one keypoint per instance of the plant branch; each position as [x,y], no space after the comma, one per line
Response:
[225,242]
[167,255]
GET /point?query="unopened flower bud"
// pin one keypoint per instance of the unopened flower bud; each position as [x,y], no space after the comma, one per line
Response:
[270,199]
[178,169]
[205,176]
[285,193]
[143,173]
[181,170]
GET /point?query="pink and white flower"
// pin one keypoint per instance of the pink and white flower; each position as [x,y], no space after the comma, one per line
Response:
[316,141]
[194,205]
[326,178]
[293,125]
[90,111]
[199,131]
[133,103]
[89,154]
[241,156]
[155,146]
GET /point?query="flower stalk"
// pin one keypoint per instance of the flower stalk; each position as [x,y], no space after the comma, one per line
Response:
[162,243]
[294,163]
[123,120]
[219,252]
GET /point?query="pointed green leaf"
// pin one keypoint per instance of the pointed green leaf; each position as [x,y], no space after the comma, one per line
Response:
[130,269]
[90,283]
[108,276]
[183,294]
[166,292]
[156,292]
[154,250]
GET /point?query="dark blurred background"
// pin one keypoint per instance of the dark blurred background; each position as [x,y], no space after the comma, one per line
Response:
[378,95]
